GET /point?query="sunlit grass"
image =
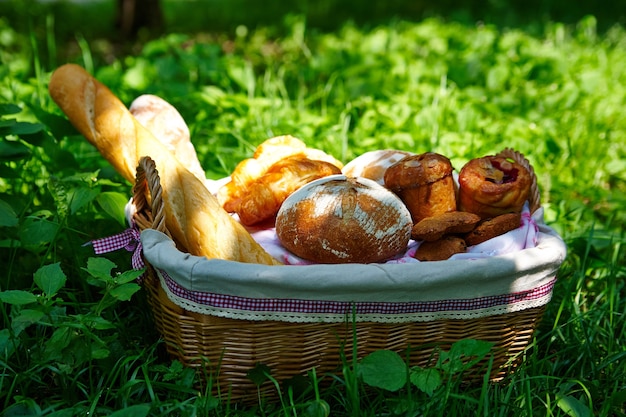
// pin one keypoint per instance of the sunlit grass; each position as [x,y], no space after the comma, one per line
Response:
[460,90]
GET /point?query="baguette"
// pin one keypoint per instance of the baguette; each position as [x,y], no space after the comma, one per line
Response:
[192,214]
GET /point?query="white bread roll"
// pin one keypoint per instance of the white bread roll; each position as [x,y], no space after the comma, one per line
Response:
[167,125]
[373,164]
[337,219]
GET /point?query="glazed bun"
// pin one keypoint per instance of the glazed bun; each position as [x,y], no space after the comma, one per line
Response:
[373,164]
[493,185]
[337,219]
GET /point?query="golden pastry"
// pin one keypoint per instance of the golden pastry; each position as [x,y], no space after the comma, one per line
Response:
[424,182]
[493,185]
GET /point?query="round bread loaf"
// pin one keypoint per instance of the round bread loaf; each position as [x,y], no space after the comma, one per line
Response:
[337,219]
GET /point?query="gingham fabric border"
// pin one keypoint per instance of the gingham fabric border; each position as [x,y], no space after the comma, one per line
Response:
[129,239]
[296,310]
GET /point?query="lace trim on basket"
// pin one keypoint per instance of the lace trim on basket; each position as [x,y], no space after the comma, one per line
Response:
[315,311]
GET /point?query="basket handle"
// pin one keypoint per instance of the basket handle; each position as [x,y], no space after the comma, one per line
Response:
[534,198]
[148,197]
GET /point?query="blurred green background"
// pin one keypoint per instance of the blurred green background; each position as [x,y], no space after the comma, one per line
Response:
[97,18]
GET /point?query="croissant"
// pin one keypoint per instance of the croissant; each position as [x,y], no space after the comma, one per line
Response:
[264,197]
[266,154]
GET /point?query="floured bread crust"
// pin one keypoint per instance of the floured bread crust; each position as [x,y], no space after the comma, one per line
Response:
[344,220]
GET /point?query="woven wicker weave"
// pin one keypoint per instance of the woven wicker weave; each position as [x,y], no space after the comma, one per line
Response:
[226,349]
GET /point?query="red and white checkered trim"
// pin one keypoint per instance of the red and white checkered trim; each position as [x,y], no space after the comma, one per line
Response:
[129,239]
[210,303]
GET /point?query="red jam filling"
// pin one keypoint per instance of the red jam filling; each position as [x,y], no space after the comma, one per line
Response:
[509,175]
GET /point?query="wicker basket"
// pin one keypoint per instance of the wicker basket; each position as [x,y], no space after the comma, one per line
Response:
[227,348]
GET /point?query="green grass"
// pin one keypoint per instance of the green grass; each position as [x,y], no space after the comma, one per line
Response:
[71,343]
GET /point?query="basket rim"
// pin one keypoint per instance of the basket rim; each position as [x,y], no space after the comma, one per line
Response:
[313,311]
[502,274]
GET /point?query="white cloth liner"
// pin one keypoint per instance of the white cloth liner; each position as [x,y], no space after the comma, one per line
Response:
[473,276]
